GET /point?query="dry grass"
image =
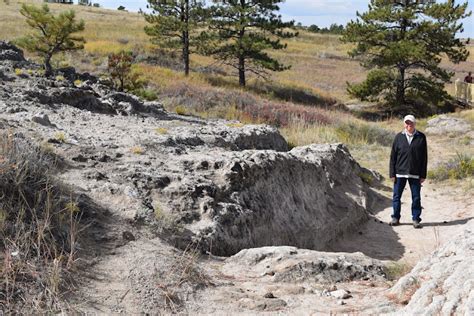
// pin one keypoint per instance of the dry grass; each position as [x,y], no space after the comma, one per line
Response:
[320,65]
[182,279]
[405,297]
[39,227]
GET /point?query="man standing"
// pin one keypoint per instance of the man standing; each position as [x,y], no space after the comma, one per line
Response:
[408,162]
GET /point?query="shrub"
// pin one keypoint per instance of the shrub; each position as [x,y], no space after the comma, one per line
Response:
[137,150]
[39,227]
[460,167]
[181,110]
[60,137]
[354,133]
[161,130]
[146,94]
[120,68]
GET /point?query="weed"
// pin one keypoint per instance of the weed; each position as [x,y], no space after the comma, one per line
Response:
[180,110]
[18,71]
[60,137]
[60,78]
[77,83]
[137,150]
[366,177]
[396,269]
[460,167]
[182,279]
[146,94]
[405,297]
[166,222]
[235,125]
[362,133]
[291,145]
[161,130]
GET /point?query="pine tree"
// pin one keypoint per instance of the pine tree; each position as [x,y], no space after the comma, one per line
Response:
[174,24]
[53,33]
[242,31]
[403,43]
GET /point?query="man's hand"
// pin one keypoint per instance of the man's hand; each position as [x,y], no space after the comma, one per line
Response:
[393,179]
[422,180]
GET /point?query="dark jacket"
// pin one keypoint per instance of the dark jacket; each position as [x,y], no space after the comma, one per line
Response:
[409,159]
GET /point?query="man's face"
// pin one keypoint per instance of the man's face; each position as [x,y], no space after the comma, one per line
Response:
[410,126]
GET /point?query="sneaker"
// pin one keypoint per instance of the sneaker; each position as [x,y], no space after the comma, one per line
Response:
[394,222]
[417,224]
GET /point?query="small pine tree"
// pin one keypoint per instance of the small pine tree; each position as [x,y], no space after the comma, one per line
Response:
[120,67]
[242,32]
[403,43]
[53,33]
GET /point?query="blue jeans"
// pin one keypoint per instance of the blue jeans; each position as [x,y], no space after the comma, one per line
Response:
[415,188]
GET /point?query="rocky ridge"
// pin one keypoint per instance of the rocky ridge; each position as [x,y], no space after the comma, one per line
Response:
[219,187]
[222,184]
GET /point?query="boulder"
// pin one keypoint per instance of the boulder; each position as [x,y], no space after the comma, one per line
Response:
[442,284]
[307,197]
[290,265]
[10,52]
[444,124]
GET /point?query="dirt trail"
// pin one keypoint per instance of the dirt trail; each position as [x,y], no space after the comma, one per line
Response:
[445,210]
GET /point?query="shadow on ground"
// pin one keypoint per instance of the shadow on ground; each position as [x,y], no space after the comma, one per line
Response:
[375,238]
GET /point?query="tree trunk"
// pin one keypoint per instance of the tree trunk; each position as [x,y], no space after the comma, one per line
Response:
[241,48]
[185,34]
[400,95]
[242,71]
[48,69]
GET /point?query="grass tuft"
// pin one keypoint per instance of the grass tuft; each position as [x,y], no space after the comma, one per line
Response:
[460,167]
[38,230]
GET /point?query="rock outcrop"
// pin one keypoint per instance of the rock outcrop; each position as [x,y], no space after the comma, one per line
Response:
[221,184]
[443,124]
[442,284]
[289,264]
[307,197]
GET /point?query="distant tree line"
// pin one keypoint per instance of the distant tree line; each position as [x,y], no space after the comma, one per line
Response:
[332,29]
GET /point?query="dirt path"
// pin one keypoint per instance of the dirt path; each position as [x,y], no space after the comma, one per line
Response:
[445,210]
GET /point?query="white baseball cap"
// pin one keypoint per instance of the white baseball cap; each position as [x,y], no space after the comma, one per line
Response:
[410,118]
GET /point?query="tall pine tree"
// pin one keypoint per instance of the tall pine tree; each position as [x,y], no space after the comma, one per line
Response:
[174,24]
[403,43]
[242,31]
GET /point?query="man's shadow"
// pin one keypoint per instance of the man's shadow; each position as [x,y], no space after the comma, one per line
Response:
[376,238]
[444,223]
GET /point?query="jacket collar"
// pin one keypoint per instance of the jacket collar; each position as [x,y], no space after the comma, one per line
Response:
[404,132]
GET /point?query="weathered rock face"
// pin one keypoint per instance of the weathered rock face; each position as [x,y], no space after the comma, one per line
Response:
[306,197]
[10,52]
[290,264]
[442,284]
[224,185]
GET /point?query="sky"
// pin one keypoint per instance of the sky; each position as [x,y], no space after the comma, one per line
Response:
[320,12]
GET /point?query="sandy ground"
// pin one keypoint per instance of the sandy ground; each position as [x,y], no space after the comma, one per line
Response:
[445,210]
